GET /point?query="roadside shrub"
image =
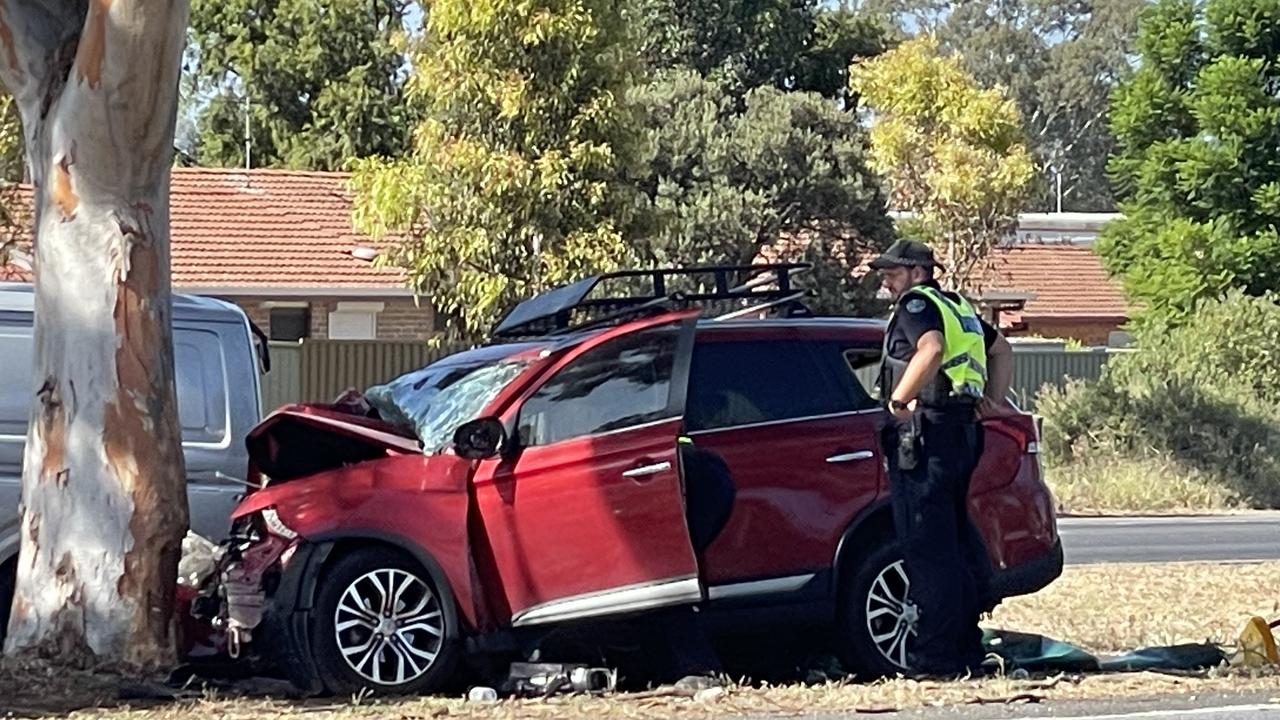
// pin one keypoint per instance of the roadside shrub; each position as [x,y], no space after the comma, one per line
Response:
[1198,401]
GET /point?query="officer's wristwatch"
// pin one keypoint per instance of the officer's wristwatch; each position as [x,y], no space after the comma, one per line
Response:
[897,405]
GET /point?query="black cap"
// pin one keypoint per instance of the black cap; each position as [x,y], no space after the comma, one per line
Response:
[906,253]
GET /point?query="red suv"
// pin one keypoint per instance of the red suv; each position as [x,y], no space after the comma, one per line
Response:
[649,459]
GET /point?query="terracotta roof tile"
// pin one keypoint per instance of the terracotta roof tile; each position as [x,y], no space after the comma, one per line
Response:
[269,229]
[290,230]
[1067,281]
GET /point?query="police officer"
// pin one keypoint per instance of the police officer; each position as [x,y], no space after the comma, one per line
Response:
[943,369]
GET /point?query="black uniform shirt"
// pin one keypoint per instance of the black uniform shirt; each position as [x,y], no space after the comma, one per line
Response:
[915,316]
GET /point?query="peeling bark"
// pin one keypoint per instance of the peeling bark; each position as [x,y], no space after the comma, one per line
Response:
[93,44]
[64,197]
[104,501]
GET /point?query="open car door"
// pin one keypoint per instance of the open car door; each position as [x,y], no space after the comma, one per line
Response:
[585,517]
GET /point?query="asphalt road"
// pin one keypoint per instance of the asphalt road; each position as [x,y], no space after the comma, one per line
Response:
[1222,538]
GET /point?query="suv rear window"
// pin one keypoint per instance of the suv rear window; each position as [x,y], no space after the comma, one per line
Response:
[746,382]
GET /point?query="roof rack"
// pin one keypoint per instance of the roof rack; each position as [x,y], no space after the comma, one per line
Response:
[570,308]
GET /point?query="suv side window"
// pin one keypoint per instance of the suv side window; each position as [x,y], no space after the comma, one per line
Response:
[620,384]
[745,382]
[865,366]
[856,369]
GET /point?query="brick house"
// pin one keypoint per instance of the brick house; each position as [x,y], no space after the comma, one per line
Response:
[1047,282]
[1054,290]
[281,245]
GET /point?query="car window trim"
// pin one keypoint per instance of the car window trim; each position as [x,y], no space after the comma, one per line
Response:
[630,428]
[785,421]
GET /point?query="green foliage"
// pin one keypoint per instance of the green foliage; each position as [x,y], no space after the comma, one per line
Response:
[323,78]
[15,210]
[952,151]
[739,45]
[1060,62]
[1198,157]
[12,147]
[518,178]
[789,166]
[1200,400]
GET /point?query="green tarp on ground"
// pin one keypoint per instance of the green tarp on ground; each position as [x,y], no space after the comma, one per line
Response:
[1034,653]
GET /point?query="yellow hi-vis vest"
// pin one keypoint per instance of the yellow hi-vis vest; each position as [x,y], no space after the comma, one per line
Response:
[964,347]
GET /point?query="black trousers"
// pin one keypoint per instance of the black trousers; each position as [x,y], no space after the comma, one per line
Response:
[946,560]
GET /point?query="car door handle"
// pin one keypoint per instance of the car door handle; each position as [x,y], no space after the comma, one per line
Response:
[646,470]
[851,457]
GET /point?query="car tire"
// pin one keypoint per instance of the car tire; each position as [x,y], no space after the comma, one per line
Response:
[382,623]
[8,583]
[876,623]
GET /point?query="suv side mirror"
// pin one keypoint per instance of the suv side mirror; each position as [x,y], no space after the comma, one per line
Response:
[480,439]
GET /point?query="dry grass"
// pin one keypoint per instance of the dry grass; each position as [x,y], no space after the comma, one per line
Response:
[1104,608]
[735,701]
[1108,608]
[1110,483]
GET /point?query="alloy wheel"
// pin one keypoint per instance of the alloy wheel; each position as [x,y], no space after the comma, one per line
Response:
[389,626]
[891,616]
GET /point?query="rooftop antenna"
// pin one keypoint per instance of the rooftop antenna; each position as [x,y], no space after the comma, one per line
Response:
[248,127]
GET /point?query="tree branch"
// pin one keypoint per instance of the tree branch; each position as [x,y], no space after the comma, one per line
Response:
[34,36]
[126,68]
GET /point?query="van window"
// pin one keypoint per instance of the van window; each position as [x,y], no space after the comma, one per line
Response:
[202,388]
[202,394]
[16,351]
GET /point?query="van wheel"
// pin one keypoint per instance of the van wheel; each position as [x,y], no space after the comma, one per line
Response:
[877,621]
[8,583]
[382,623]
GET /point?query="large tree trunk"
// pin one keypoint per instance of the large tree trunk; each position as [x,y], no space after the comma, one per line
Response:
[103,490]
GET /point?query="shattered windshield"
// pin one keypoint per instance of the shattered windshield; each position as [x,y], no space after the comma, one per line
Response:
[437,399]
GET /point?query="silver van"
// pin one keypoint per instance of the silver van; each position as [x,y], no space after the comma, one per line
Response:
[218,403]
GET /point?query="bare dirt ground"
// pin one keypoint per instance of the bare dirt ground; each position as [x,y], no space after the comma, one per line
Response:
[1103,608]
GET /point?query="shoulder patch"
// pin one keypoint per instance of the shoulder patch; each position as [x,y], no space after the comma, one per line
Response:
[916,305]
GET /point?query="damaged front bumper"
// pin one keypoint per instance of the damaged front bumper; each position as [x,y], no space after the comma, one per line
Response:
[260,599]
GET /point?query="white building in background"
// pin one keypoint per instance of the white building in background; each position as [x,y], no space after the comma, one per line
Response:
[1076,228]
[1073,228]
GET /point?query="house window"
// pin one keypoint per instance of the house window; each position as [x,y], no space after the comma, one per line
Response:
[440,320]
[290,323]
[355,321]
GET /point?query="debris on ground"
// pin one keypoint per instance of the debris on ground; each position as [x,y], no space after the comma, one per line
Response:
[1256,646]
[526,679]
[1034,652]
[482,694]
